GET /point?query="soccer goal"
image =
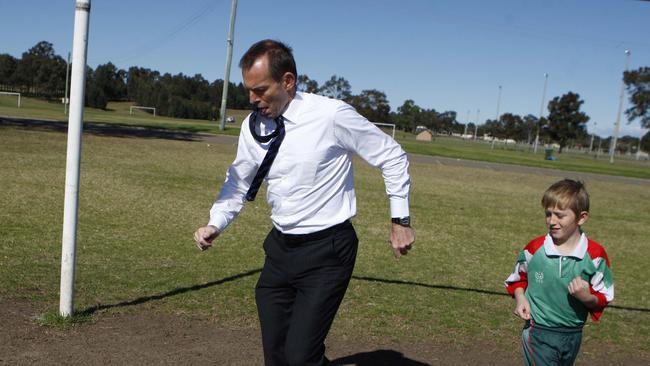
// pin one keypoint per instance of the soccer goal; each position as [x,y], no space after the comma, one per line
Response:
[386,126]
[139,107]
[10,93]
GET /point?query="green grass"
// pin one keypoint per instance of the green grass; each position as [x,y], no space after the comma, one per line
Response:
[511,154]
[118,113]
[141,200]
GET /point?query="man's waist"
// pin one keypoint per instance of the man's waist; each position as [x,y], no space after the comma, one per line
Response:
[313,236]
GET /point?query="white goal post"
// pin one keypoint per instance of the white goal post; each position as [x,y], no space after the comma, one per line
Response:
[139,107]
[388,125]
[10,93]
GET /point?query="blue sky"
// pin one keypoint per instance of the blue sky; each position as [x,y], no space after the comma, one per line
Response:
[446,55]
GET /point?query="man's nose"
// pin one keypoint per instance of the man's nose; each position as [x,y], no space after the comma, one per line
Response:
[253,98]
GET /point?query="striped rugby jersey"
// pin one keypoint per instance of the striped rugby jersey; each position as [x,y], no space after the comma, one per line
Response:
[545,275]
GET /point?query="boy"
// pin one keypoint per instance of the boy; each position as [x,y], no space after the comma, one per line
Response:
[570,276]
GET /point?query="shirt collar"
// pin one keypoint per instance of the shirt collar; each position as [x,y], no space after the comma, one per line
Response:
[293,110]
[578,252]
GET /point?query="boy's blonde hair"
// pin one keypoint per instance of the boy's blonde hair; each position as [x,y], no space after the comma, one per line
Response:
[567,194]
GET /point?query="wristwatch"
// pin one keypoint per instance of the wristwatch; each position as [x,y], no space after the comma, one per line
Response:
[403,221]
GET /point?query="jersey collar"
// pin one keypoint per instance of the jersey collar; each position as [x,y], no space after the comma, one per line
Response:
[578,252]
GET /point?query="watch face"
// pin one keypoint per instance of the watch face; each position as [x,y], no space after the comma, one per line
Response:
[404,221]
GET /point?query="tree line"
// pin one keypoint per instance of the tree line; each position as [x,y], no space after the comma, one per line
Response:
[40,72]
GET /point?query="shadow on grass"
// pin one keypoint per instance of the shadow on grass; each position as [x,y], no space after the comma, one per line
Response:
[183,133]
[174,292]
[456,288]
[177,291]
[382,357]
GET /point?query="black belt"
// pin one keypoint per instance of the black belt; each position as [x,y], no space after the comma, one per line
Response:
[317,235]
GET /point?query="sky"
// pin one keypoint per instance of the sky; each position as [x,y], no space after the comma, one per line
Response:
[444,55]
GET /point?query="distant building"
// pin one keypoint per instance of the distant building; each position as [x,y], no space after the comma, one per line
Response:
[425,135]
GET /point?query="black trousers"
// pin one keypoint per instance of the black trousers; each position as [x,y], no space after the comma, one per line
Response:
[299,291]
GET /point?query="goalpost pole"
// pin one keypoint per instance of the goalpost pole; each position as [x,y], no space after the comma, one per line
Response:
[73,158]
[12,93]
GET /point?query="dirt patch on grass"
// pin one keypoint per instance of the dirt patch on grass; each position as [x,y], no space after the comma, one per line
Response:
[146,338]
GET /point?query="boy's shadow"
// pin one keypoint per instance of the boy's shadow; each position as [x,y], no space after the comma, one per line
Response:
[382,357]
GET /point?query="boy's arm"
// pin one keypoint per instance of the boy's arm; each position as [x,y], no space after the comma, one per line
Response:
[518,279]
[581,290]
[522,309]
[601,283]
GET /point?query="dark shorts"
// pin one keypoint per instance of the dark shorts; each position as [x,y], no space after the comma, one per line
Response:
[550,346]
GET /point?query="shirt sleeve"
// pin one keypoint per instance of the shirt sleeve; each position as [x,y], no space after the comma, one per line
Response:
[601,284]
[519,276]
[239,176]
[356,134]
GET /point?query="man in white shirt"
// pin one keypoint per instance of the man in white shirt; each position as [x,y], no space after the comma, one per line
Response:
[301,144]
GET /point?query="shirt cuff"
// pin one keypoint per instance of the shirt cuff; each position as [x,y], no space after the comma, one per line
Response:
[399,206]
[219,221]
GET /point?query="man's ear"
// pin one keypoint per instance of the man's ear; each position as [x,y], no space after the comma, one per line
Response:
[583,217]
[289,81]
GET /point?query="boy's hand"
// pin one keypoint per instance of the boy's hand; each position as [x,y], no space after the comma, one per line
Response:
[522,309]
[579,289]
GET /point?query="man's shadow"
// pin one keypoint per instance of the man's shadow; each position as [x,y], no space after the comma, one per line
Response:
[381,357]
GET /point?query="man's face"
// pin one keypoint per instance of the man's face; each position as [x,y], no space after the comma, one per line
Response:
[270,97]
[563,224]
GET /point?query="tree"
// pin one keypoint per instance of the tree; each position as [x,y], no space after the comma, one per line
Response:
[336,87]
[408,116]
[529,128]
[40,71]
[111,81]
[305,84]
[372,104]
[638,86]
[645,142]
[8,65]
[565,121]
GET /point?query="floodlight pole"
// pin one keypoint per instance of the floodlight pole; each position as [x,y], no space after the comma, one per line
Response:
[541,111]
[466,123]
[226,77]
[73,158]
[67,79]
[617,126]
[497,117]
[476,126]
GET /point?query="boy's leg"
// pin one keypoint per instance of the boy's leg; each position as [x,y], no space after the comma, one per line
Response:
[571,347]
[541,346]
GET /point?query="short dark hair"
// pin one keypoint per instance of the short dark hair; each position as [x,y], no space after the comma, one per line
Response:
[567,194]
[280,58]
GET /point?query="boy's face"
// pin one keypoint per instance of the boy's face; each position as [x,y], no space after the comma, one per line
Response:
[563,224]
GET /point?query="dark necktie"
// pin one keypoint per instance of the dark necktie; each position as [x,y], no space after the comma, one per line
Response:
[271,153]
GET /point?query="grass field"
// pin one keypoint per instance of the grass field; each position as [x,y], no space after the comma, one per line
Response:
[118,113]
[141,200]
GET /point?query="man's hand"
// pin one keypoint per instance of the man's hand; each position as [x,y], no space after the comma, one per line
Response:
[522,309]
[204,236]
[401,239]
[579,289]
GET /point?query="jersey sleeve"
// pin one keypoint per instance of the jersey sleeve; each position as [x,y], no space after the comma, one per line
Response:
[601,283]
[519,276]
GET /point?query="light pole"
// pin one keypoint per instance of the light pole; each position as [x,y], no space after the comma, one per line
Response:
[591,144]
[497,117]
[476,125]
[541,111]
[226,77]
[612,147]
[466,123]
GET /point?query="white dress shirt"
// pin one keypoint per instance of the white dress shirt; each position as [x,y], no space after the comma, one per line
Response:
[310,185]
